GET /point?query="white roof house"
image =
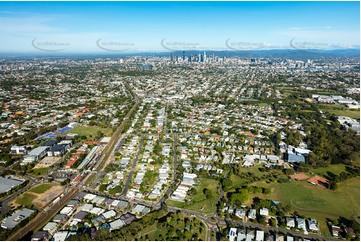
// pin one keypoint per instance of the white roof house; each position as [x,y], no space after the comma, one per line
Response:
[86,207]
[312,224]
[232,234]
[115,203]
[51,227]
[290,222]
[290,238]
[109,214]
[117,224]
[89,196]
[252,214]
[301,223]
[259,235]
[241,236]
[97,211]
[263,211]
[240,213]
[98,200]
[67,211]
[60,236]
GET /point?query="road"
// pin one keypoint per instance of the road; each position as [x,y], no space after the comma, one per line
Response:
[223,222]
[175,168]
[43,216]
[126,186]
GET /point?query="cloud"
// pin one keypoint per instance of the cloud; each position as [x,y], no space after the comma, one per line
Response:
[27,25]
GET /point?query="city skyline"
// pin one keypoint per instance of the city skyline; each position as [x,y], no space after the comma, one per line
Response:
[96,27]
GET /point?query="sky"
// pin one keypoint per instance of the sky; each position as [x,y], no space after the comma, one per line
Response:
[95,27]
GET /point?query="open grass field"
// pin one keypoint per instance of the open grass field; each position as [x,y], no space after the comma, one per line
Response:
[253,169]
[199,202]
[316,202]
[25,200]
[236,182]
[345,112]
[39,196]
[334,168]
[90,131]
[41,188]
[40,171]
[348,113]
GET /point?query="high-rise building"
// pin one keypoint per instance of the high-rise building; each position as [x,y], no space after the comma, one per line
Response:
[184,55]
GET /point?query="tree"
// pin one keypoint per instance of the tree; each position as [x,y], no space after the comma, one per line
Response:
[238,198]
[192,191]
[102,187]
[207,192]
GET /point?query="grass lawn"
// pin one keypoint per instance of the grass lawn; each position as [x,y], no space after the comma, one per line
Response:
[25,200]
[262,104]
[307,111]
[236,182]
[326,92]
[41,188]
[245,175]
[334,168]
[316,202]
[40,171]
[253,170]
[199,202]
[90,131]
[345,112]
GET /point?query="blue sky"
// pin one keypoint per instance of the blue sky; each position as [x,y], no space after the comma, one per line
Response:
[162,26]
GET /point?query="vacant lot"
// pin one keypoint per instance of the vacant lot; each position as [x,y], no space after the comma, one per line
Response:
[47,161]
[90,131]
[25,200]
[41,188]
[38,196]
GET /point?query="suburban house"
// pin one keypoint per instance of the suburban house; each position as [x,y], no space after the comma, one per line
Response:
[290,222]
[252,214]
[18,150]
[41,236]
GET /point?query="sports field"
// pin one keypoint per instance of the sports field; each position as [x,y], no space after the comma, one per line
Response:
[90,131]
[41,188]
[317,202]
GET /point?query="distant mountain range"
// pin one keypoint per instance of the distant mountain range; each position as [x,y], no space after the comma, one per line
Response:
[279,53]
